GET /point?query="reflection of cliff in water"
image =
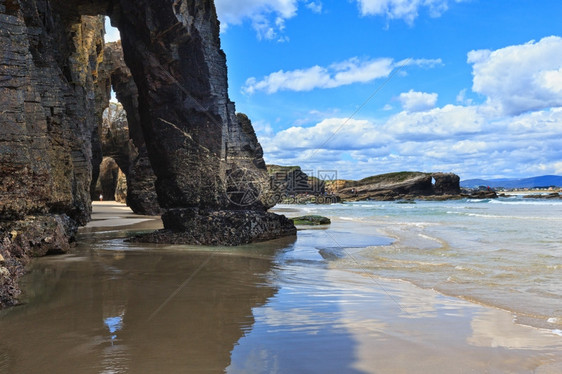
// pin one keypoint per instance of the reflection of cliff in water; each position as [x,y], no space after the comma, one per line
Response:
[137,311]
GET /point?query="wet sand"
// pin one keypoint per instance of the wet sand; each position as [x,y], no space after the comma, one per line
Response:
[112,214]
[276,307]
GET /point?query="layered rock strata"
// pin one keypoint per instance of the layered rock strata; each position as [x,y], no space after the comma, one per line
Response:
[52,97]
[200,153]
[141,191]
[48,113]
[402,185]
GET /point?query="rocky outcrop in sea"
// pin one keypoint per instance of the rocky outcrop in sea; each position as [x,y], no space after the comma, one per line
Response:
[405,186]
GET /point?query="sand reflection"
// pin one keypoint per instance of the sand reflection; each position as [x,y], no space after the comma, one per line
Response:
[94,311]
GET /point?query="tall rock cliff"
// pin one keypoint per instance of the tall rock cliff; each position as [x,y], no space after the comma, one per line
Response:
[192,134]
[52,97]
[48,113]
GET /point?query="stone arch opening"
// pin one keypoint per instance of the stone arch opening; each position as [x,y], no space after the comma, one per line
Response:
[184,116]
[126,138]
[111,184]
[53,98]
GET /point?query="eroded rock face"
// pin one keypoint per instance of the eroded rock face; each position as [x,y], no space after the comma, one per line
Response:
[198,149]
[403,185]
[121,188]
[48,106]
[107,182]
[446,184]
[141,191]
[226,227]
[30,237]
[52,97]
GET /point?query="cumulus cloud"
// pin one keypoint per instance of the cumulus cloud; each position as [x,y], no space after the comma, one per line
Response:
[520,78]
[452,138]
[413,101]
[329,134]
[406,10]
[353,70]
[363,136]
[267,16]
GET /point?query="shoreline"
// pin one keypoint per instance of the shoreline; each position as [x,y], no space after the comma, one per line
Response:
[286,301]
[414,236]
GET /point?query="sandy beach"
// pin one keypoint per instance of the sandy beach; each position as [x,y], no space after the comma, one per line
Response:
[275,307]
[113,214]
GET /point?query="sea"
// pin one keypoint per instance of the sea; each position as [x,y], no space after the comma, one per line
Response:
[461,286]
[505,252]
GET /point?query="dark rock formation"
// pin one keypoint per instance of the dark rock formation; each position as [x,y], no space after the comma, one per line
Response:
[196,146]
[551,195]
[107,182]
[311,220]
[446,184]
[48,112]
[480,194]
[290,180]
[22,239]
[141,191]
[249,147]
[115,141]
[48,107]
[227,228]
[293,186]
[402,185]
[121,188]
[51,102]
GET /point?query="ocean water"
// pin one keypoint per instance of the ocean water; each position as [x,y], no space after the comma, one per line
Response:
[505,253]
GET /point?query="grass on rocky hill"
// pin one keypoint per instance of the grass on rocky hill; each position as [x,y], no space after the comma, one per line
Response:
[390,177]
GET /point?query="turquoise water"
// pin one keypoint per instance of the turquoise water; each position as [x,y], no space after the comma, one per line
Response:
[505,253]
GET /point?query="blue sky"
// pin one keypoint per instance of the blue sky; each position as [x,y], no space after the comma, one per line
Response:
[373,86]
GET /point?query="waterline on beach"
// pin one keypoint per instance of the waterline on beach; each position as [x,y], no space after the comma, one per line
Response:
[503,253]
[315,304]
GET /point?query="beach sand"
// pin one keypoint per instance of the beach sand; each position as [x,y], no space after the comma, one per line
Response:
[113,214]
[275,307]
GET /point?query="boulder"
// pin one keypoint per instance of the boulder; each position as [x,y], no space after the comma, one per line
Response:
[312,220]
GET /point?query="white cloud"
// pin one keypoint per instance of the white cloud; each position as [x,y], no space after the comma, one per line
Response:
[111,33]
[339,74]
[329,134]
[402,9]
[551,80]
[449,121]
[452,138]
[462,99]
[520,78]
[413,101]
[315,6]
[351,71]
[267,16]
[427,63]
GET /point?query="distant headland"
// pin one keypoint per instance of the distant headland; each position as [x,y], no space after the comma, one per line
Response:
[295,186]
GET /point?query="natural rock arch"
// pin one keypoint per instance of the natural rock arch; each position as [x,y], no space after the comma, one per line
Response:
[51,100]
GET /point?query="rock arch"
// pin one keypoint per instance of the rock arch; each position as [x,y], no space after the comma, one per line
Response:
[52,98]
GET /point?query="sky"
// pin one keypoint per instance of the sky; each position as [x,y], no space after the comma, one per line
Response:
[365,87]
